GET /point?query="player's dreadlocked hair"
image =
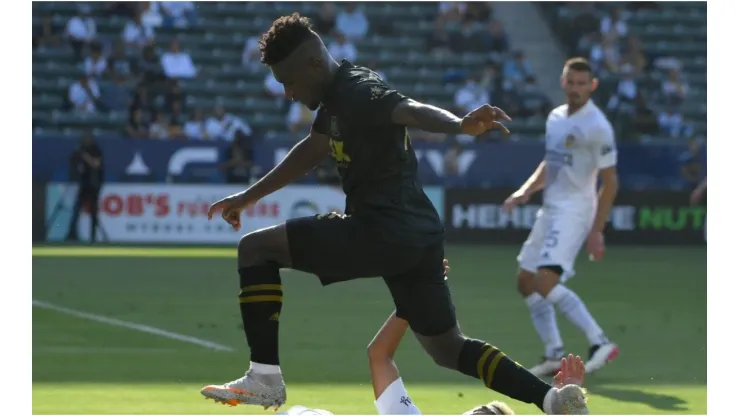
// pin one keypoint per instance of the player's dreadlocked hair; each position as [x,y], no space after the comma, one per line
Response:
[284,36]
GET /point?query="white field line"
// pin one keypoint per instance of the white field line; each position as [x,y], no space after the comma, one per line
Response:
[131,325]
[50,349]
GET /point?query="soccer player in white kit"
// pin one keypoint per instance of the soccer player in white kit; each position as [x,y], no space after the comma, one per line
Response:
[580,149]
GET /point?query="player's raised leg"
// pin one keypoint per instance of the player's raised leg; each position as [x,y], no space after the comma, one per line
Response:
[422,297]
[261,254]
[541,310]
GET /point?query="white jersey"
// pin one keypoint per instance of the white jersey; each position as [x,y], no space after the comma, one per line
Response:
[395,400]
[576,148]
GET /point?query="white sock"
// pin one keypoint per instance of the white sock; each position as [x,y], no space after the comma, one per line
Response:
[543,317]
[264,368]
[575,310]
[547,403]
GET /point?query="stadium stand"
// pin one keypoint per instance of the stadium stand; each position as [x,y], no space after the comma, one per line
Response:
[428,50]
[403,42]
[660,46]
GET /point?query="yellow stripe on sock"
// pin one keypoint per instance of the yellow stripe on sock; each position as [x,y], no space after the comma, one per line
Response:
[261,298]
[482,361]
[492,368]
[256,288]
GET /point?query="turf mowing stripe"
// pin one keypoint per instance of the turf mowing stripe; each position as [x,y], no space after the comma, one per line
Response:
[130,325]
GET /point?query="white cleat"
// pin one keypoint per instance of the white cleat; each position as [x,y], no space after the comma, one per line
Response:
[266,390]
[570,400]
[547,368]
[600,356]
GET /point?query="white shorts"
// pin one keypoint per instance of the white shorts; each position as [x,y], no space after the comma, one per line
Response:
[555,240]
[395,400]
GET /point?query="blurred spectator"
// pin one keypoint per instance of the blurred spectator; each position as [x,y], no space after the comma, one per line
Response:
[96,65]
[439,41]
[178,64]
[195,128]
[138,126]
[119,65]
[88,164]
[150,14]
[160,128]
[585,21]
[84,95]
[351,22]
[224,126]
[634,55]
[644,120]
[534,102]
[175,129]
[626,93]
[238,164]
[299,117]
[47,32]
[674,88]
[81,30]
[451,11]
[326,20]
[115,95]
[149,66]
[471,96]
[176,111]
[177,13]
[136,34]
[127,9]
[142,101]
[467,39]
[496,40]
[341,48]
[274,88]
[606,54]
[691,164]
[614,24]
[672,124]
[477,11]
[492,80]
[173,95]
[517,69]
[251,54]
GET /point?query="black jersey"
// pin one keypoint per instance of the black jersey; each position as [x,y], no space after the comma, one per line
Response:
[375,157]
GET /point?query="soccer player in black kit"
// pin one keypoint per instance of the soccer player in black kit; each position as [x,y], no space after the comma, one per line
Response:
[390,228]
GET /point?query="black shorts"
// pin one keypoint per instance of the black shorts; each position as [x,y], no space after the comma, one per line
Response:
[338,248]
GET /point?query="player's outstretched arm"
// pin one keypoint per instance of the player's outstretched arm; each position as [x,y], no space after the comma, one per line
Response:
[380,353]
[303,157]
[429,118]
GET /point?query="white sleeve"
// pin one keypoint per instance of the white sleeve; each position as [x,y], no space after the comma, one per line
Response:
[395,400]
[604,146]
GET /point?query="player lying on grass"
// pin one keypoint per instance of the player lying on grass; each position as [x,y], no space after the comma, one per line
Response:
[391,397]
[390,230]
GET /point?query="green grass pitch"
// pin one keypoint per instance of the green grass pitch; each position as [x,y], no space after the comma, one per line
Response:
[652,301]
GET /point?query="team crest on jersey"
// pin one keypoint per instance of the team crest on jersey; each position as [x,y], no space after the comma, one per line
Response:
[570,141]
[334,126]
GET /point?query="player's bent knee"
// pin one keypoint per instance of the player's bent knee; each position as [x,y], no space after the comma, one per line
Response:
[547,278]
[526,283]
[268,245]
